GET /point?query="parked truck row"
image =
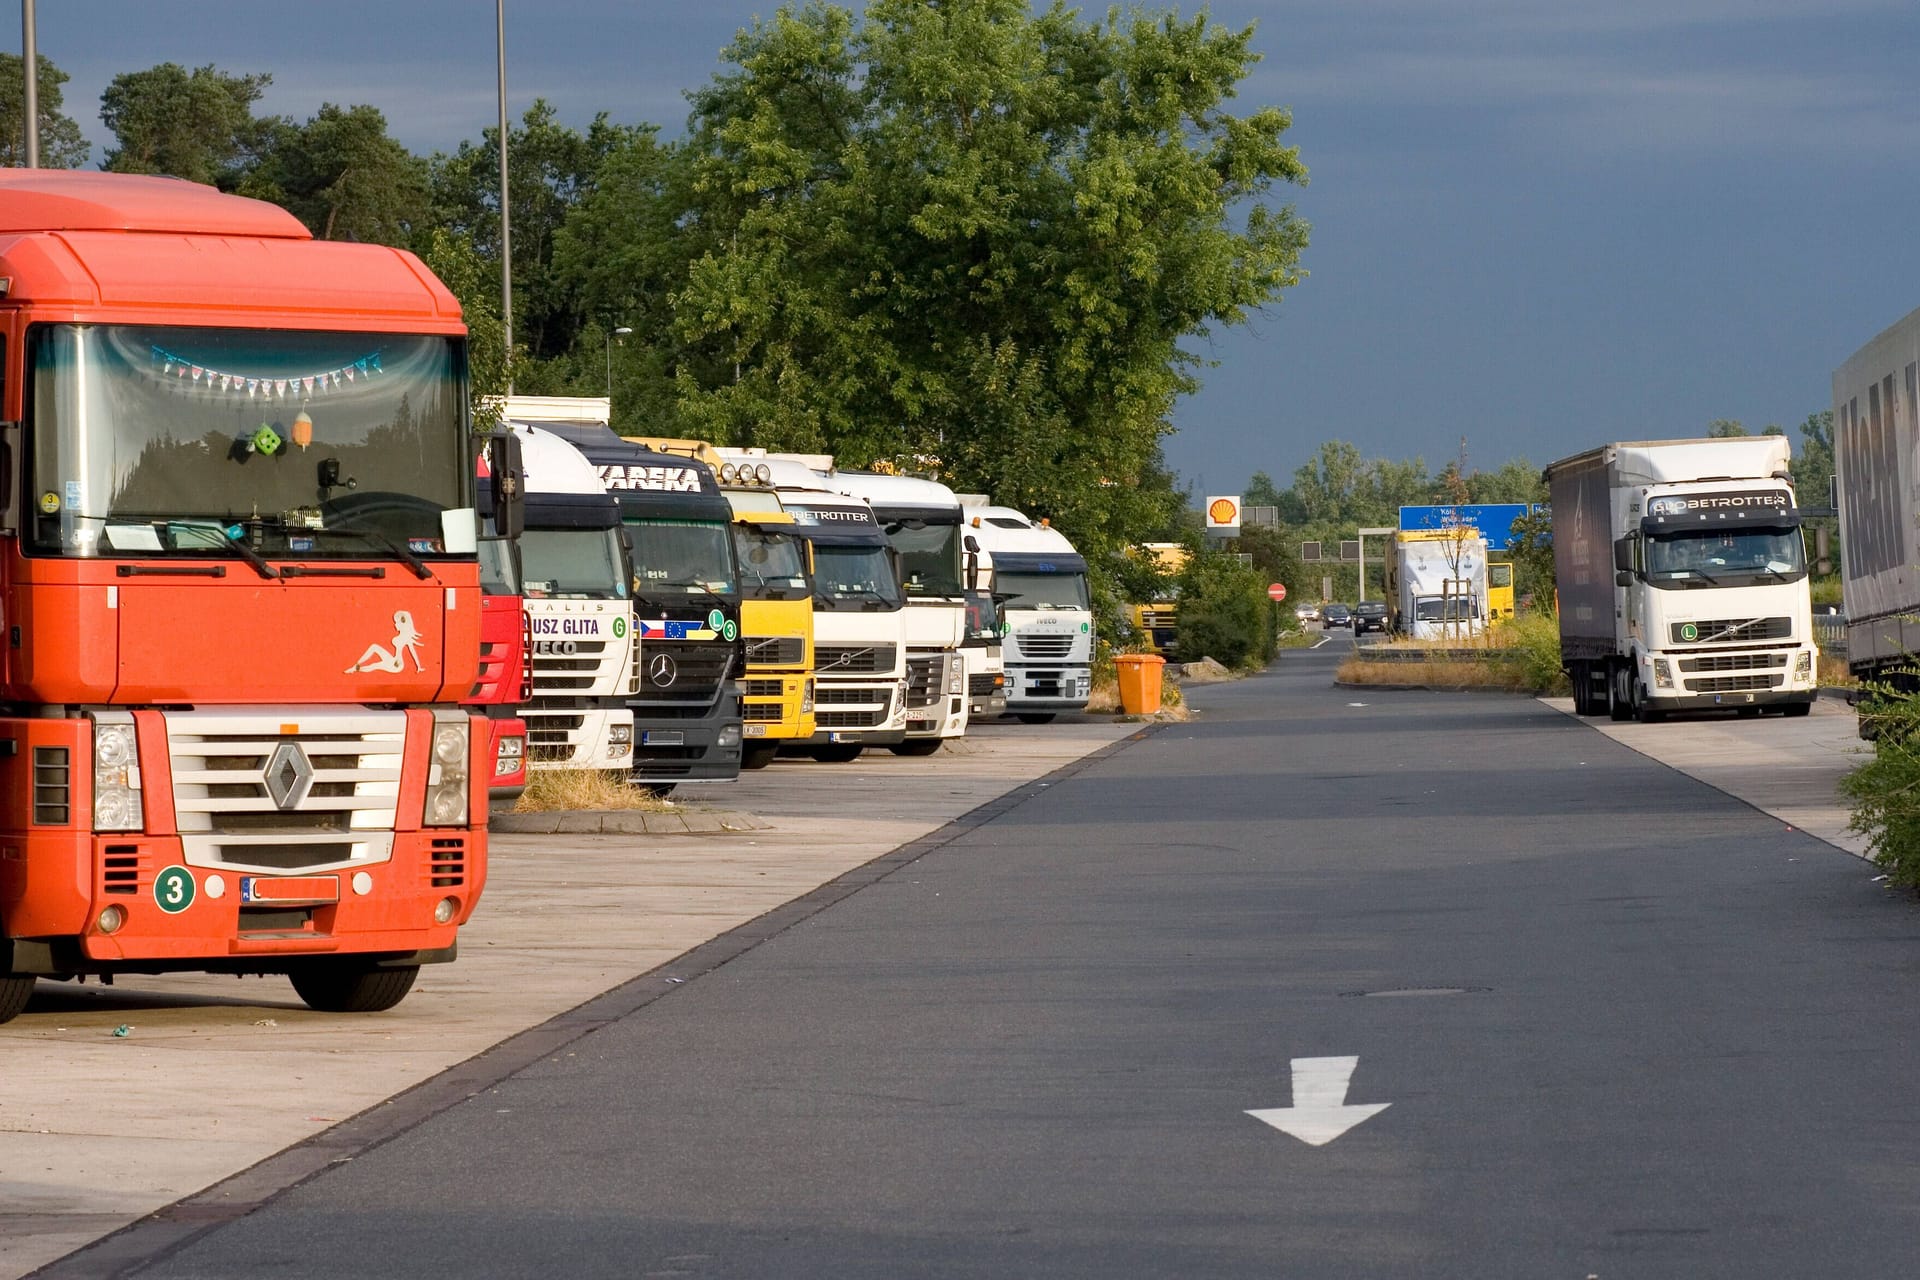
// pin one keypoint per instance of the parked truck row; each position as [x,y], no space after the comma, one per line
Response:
[283,624]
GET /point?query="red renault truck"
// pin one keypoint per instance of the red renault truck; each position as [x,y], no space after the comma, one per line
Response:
[239,594]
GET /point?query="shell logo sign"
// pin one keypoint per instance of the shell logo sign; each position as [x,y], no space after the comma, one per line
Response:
[1223,514]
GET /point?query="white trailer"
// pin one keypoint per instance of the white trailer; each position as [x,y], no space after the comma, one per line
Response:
[1876,451]
[1437,584]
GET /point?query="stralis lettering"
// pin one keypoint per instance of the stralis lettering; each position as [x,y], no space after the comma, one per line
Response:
[1684,504]
[564,626]
[656,479]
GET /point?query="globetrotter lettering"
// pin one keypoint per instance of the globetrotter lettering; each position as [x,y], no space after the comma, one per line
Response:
[564,626]
[830,515]
[656,479]
[1681,504]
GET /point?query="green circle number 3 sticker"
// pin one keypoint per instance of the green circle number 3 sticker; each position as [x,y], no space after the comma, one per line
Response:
[173,889]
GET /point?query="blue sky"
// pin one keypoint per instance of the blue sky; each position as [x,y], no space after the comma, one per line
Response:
[1538,226]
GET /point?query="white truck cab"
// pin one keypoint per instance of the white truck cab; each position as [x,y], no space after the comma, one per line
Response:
[1046,611]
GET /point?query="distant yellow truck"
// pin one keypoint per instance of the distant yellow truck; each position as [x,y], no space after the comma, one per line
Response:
[1157,621]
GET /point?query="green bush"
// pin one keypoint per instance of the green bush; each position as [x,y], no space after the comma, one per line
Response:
[1885,791]
[1530,646]
[1224,612]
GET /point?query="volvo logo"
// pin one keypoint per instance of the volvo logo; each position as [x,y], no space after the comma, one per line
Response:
[288,775]
[661,669]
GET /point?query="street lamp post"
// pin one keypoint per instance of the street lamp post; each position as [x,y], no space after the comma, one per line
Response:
[621,332]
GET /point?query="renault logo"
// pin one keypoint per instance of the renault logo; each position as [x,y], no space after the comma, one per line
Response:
[289,775]
[661,670]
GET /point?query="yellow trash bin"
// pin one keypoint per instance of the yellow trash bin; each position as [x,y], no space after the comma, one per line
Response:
[1139,676]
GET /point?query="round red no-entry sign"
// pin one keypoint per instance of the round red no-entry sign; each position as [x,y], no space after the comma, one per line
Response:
[1277,591]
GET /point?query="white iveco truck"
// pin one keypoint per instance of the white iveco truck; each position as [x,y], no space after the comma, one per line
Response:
[1682,578]
[1041,583]
[579,612]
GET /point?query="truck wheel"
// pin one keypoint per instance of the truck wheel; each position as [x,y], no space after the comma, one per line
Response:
[1577,677]
[1645,714]
[1620,702]
[1035,717]
[15,990]
[1797,709]
[346,986]
[759,755]
[838,753]
[916,747]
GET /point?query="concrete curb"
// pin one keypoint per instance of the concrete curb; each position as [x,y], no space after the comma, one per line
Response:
[626,822]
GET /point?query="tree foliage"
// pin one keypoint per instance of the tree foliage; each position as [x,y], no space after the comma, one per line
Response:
[343,175]
[1224,611]
[198,125]
[61,144]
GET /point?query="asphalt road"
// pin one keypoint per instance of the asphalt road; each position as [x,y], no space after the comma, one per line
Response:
[1681,1041]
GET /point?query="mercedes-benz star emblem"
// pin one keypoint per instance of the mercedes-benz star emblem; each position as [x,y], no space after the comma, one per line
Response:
[288,775]
[661,670]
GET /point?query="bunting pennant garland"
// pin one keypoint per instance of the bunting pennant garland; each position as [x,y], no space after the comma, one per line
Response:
[188,374]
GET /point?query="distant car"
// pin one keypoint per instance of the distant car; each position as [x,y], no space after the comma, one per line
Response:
[1370,615]
[1308,613]
[1335,615]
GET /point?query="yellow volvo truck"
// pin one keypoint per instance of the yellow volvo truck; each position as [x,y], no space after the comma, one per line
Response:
[776,605]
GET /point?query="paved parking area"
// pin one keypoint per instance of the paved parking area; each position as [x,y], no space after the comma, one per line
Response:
[214,1074]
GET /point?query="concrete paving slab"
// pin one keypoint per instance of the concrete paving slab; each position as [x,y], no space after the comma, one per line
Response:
[1788,768]
[216,1074]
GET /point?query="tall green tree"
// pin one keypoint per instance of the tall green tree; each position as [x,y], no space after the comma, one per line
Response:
[979,234]
[61,143]
[198,125]
[343,175]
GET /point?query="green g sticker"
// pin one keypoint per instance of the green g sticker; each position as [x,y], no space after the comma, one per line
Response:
[619,628]
[173,889]
[1689,632]
[716,620]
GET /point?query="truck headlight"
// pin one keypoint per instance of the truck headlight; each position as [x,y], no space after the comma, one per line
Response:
[446,804]
[729,736]
[510,756]
[1662,674]
[956,676]
[619,734]
[116,775]
[806,696]
[1803,665]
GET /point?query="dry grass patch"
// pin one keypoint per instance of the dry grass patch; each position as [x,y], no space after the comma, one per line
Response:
[1834,672]
[552,790]
[1435,675]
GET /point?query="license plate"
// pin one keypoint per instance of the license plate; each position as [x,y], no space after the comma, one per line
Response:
[664,738]
[300,889]
[755,731]
[842,737]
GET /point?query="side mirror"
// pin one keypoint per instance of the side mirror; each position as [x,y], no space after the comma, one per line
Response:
[1624,578]
[972,544]
[1623,554]
[509,484]
[899,567]
[9,498]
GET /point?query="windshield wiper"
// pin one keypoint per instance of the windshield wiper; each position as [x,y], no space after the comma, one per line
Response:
[380,540]
[241,549]
[693,586]
[881,600]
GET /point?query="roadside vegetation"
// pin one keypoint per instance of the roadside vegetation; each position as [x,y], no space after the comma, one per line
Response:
[550,790]
[1521,655]
[1885,791]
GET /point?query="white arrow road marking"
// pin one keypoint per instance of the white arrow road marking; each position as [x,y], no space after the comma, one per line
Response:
[1320,1113]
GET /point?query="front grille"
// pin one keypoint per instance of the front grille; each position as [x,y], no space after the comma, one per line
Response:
[761,688]
[692,671]
[247,793]
[848,659]
[761,713]
[981,683]
[567,666]
[447,864]
[1732,684]
[120,868]
[850,719]
[550,729]
[1731,630]
[776,651]
[923,681]
[858,696]
[1050,648]
[1734,662]
[52,786]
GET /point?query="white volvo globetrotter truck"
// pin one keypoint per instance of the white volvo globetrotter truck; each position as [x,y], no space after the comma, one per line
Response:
[1041,582]
[1682,578]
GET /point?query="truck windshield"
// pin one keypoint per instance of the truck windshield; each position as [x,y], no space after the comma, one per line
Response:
[1042,590]
[1446,609]
[929,557]
[853,579]
[573,562]
[773,566]
[147,439]
[1723,558]
[674,559]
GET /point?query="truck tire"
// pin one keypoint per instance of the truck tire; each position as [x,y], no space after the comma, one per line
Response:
[348,986]
[1577,678]
[759,755]
[1035,717]
[1621,704]
[838,753]
[1644,713]
[916,747]
[1797,709]
[15,991]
